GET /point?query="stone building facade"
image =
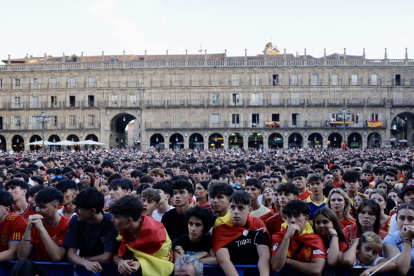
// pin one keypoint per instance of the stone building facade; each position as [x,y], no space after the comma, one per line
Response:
[209,100]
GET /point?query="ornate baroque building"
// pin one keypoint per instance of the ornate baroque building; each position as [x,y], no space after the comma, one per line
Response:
[209,100]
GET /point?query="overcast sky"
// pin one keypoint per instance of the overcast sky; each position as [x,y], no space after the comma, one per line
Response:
[92,26]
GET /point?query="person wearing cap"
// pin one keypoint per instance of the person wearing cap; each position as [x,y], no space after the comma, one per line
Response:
[407,195]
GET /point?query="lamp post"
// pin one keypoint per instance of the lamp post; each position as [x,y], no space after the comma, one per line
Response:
[43,118]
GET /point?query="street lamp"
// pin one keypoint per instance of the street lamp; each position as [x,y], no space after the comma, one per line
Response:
[43,118]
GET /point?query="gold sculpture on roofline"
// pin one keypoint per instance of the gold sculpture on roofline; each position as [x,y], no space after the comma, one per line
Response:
[270,50]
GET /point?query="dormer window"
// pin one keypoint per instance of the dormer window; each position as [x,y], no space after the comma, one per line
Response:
[112,59]
[74,59]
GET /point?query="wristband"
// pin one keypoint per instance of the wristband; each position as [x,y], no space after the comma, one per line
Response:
[334,235]
[410,243]
[118,261]
[408,240]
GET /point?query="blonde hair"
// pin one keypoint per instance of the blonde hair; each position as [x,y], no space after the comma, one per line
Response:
[371,237]
[347,207]
[157,171]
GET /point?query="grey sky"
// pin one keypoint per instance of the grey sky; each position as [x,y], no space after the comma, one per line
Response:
[72,27]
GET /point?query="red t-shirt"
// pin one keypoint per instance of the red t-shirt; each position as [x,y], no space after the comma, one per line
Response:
[57,233]
[336,185]
[11,229]
[354,228]
[274,224]
[305,195]
[345,222]
[30,210]
[306,254]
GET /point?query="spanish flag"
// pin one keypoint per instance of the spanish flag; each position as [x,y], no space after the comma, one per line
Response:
[224,230]
[375,124]
[151,248]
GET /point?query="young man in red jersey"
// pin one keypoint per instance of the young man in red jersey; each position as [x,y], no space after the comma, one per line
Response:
[20,192]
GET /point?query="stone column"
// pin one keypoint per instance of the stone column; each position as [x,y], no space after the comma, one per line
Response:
[364,141]
[246,142]
[265,142]
[285,142]
[186,142]
[166,142]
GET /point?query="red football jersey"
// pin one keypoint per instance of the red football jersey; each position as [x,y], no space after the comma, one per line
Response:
[57,233]
[30,210]
[11,229]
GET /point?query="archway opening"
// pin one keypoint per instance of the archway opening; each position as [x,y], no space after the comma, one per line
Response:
[402,129]
[196,140]
[374,140]
[354,140]
[17,143]
[73,138]
[295,140]
[2,143]
[54,138]
[275,141]
[255,141]
[92,137]
[236,141]
[119,125]
[176,141]
[315,140]
[33,139]
[157,141]
[334,140]
[216,141]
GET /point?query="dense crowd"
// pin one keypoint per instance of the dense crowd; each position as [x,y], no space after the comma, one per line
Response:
[296,211]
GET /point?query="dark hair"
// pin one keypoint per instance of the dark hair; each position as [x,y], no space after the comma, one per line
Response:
[119,183]
[66,184]
[377,211]
[18,183]
[138,173]
[128,206]
[49,194]
[351,176]
[254,182]
[296,207]
[183,184]
[90,198]
[288,187]
[113,177]
[27,268]
[330,215]
[201,213]
[241,197]
[146,178]
[108,163]
[22,175]
[166,186]
[151,194]
[35,189]
[82,185]
[142,187]
[221,188]
[402,207]
[303,173]
[6,198]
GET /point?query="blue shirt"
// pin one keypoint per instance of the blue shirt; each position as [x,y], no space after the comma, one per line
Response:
[395,239]
[314,207]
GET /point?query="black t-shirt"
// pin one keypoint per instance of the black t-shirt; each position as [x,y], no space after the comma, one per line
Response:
[175,224]
[243,249]
[91,240]
[191,248]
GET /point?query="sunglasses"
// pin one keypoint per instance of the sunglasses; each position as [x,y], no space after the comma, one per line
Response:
[237,187]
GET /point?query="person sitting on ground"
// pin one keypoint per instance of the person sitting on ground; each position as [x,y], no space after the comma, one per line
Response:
[187,265]
[12,227]
[241,238]
[365,252]
[197,243]
[45,231]
[254,188]
[150,254]
[91,231]
[150,199]
[297,247]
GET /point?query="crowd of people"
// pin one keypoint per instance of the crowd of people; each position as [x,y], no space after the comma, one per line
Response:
[296,211]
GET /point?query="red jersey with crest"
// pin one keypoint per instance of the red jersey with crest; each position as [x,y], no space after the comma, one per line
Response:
[57,233]
[30,210]
[11,229]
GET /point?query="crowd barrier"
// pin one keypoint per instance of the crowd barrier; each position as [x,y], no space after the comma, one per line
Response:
[68,269]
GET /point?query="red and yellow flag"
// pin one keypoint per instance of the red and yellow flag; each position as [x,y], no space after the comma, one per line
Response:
[375,124]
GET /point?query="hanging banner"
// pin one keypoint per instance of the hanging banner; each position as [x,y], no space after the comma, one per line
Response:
[375,124]
[272,124]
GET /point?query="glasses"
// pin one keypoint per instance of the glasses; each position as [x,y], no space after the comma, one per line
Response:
[57,177]
[237,187]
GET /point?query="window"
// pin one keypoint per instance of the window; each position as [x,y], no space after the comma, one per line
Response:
[255,79]
[35,102]
[374,117]
[215,118]
[236,98]
[17,83]
[334,80]
[275,117]
[1,122]
[194,80]
[33,123]
[72,82]
[74,58]
[176,118]
[294,79]
[17,121]
[235,80]
[374,79]
[133,99]
[114,99]
[72,101]
[275,98]
[315,80]
[112,59]
[255,98]
[215,80]
[295,119]
[235,118]
[90,120]
[53,100]
[36,83]
[397,79]
[354,79]
[54,82]
[295,98]
[91,81]
[91,100]
[398,98]
[275,79]
[255,120]
[17,101]
[157,99]
[54,121]
[1,84]
[216,99]
[71,120]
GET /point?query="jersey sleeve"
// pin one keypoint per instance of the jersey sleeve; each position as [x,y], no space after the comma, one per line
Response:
[317,253]
[262,238]
[17,230]
[61,231]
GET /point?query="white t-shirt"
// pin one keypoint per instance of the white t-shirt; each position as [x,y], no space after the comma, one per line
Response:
[374,263]
[157,216]
[393,225]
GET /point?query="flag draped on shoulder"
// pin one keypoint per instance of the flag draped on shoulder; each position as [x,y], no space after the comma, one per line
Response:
[224,230]
[151,248]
